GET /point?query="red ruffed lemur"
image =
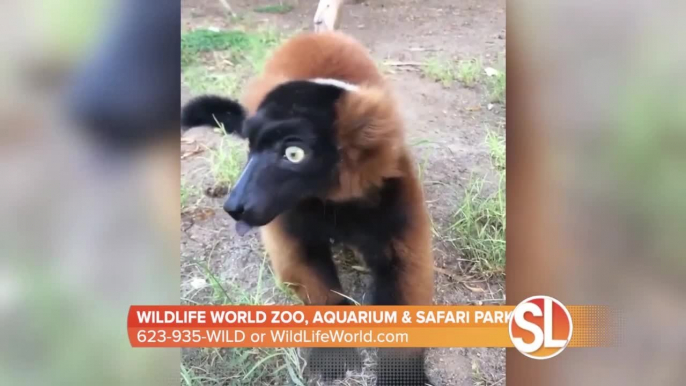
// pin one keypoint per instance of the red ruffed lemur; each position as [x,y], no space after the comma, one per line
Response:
[328,162]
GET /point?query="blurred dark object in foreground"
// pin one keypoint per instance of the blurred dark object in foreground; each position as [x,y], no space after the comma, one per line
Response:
[84,234]
[596,188]
[128,93]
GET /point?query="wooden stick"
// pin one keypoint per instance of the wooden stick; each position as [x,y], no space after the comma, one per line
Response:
[228,7]
[326,18]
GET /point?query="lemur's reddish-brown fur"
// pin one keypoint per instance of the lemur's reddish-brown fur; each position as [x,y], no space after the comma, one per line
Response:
[370,137]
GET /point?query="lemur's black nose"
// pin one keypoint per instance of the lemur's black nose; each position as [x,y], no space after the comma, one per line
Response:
[234,209]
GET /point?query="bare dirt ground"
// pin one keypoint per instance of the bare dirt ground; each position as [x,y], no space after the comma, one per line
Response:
[446,125]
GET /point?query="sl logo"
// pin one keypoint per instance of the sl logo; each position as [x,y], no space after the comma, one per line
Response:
[540,327]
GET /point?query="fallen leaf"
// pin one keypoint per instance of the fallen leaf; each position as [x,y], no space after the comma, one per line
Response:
[490,71]
[203,213]
[198,282]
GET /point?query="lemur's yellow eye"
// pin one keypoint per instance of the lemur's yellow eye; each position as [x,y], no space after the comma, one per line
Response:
[294,154]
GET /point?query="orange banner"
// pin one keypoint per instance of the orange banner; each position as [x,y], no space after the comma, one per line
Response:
[340,326]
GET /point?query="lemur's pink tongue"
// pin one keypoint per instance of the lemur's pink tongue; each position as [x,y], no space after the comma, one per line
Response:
[242,228]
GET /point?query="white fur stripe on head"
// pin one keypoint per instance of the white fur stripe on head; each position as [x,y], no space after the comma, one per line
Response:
[335,82]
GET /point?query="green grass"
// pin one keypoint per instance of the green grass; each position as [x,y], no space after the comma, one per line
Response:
[479,223]
[469,71]
[241,366]
[226,162]
[201,40]
[446,72]
[496,87]
[439,70]
[496,147]
[481,378]
[185,195]
[188,193]
[221,61]
[274,8]
[200,79]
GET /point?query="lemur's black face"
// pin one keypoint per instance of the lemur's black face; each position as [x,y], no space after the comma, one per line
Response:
[293,153]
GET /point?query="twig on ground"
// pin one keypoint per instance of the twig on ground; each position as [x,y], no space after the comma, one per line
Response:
[228,8]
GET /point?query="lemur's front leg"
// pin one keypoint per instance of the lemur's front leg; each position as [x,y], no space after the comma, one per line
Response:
[401,277]
[307,267]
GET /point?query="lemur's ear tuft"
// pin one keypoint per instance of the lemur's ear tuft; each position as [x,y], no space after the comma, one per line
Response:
[212,110]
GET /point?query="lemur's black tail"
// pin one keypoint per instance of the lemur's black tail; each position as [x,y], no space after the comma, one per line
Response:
[212,110]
